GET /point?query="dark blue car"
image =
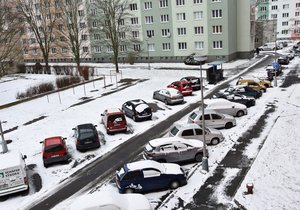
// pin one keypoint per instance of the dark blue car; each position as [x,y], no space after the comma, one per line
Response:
[243,90]
[148,175]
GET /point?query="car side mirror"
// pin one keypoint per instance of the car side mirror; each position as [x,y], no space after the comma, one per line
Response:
[24,157]
[41,142]
[95,126]
[233,107]
[64,138]
[102,114]
[73,129]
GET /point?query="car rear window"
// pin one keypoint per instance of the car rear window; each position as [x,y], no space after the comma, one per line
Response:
[54,148]
[149,148]
[86,133]
[193,115]
[116,118]
[174,131]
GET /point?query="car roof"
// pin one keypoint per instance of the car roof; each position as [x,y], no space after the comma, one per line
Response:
[206,111]
[137,101]
[142,164]
[113,110]
[168,140]
[10,159]
[84,126]
[183,126]
[172,90]
[52,140]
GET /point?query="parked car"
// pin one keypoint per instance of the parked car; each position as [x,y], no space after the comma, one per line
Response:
[55,150]
[86,136]
[137,110]
[108,200]
[13,173]
[149,175]
[251,83]
[263,82]
[226,107]
[195,81]
[184,87]
[271,71]
[168,96]
[269,46]
[283,60]
[194,131]
[248,101]
[173,149]
[114,120]
[212,119]
[243,90]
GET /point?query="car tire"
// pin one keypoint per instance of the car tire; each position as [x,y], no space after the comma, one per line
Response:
[161,161]
[174,184]
[215,141]
[166,101]
[198,157]
[239,113]
[129,190]
[46,165]
[229,125]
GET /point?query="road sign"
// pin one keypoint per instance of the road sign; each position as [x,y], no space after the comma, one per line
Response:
[275,65]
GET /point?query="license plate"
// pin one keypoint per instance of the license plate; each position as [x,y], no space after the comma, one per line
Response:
[87,142]
[55,156]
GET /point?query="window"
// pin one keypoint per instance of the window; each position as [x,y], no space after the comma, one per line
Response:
[150,173]
[198,1]
[199,30]
[137,47]
[285,23]
[97,36]
[93,12]
[180,16]
[297,5]
[198,15]
[163,3]
[274,16]
[121,22]
[166,46]
[182,46]
[217,13]
[132,175]
[134,21]
[217,29]
[165,32]
[164,18]
[122,35]
[285,6]
[216,117]
[53,50]
[217,44]
[151,47]
[148,5]
[123,48]
[83,37]
[149,19]
[199,45]
[97,49]
[189,132]
[297,14]
[180,2]
[109,48]
[213,1]
[80,13]
[284,15]
[135,34]
[181,31]
[284,32]
[297,22]
[82,25]
[150,33]
[60,27]
[274,7]
[85,49]
[263,9]
[199,131]
[133,7]
[94,24]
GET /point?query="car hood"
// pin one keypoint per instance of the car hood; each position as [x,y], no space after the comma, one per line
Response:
[172,168]
[227,116]
[214,131]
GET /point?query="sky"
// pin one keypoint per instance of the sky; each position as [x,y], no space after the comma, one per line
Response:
[279,135]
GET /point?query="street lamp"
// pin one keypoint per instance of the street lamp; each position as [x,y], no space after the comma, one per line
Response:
[148,56]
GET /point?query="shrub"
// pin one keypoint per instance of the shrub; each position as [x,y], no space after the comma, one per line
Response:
[66,81]
[131,58]
[84,72]
[35,90]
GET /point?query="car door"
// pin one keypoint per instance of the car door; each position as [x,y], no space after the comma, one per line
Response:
[162,95]
[217,120]
[183,151]
[189,134]
[152,179]
[133,180]
[207,119]
[130,110]
[126,108]
[168,153]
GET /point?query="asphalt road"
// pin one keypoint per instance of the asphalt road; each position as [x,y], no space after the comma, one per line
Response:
[106,165]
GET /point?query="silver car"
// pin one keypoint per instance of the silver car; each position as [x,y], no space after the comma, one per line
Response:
[194,131]
[173,149]
[212,119]
[168,96]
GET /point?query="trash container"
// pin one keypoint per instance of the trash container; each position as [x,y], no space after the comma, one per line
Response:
[249,188]
[213,75]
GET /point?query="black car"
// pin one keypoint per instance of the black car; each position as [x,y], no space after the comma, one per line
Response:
[248,101]
[137,110]
[196,82]
[283,60]
[243,90]
[87,137]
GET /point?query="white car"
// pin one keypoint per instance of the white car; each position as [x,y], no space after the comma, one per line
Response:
[226,107]
[111,201]
[212,119]
[194,131]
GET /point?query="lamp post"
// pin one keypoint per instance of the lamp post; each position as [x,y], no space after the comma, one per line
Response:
[205,158]
[3,142]
[148,54]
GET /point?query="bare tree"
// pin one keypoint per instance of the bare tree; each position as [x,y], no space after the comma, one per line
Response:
[10,33]
[73,27]
[114,13]
[40,17]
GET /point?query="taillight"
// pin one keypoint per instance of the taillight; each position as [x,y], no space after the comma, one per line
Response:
[77,142]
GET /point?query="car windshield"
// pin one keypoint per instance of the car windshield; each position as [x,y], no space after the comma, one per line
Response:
[149,148]
[174,131]
[121,172]
[193,115]
[54,148]
[86,133]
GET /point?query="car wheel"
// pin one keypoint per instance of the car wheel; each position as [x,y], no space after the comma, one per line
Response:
[229,125]
[198,157]
[46,165]
[129,190]
[215,141]
[174,184]
[240,113]
[266,85]
[166,101]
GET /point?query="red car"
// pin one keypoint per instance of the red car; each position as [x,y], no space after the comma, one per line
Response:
[55,150]
[184,87]
[114,121]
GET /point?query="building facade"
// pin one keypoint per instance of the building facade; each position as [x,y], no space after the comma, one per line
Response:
[170,30]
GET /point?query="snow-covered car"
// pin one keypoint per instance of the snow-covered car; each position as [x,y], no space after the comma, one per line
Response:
[108,200]
[137,109]
[149,175]
[226,107]
[168,96]
[114,120]
[173,149]
[248,101]
[86,137]
[184,87]
[194,131]
[196,83]
[212,119]
[243,90]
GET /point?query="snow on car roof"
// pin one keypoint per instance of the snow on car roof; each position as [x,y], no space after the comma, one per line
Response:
[141,107]
[206,111]
[10,159]
[173,91]
[167,140]
[145,164]
[137,101]
[182,125]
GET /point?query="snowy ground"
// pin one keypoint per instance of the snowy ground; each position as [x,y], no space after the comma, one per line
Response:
[28,135]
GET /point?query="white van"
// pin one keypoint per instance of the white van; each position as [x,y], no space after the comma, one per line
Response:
[13,175]
[268,46]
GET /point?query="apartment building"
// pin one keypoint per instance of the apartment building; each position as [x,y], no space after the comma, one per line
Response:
[279,19]
[170,30]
